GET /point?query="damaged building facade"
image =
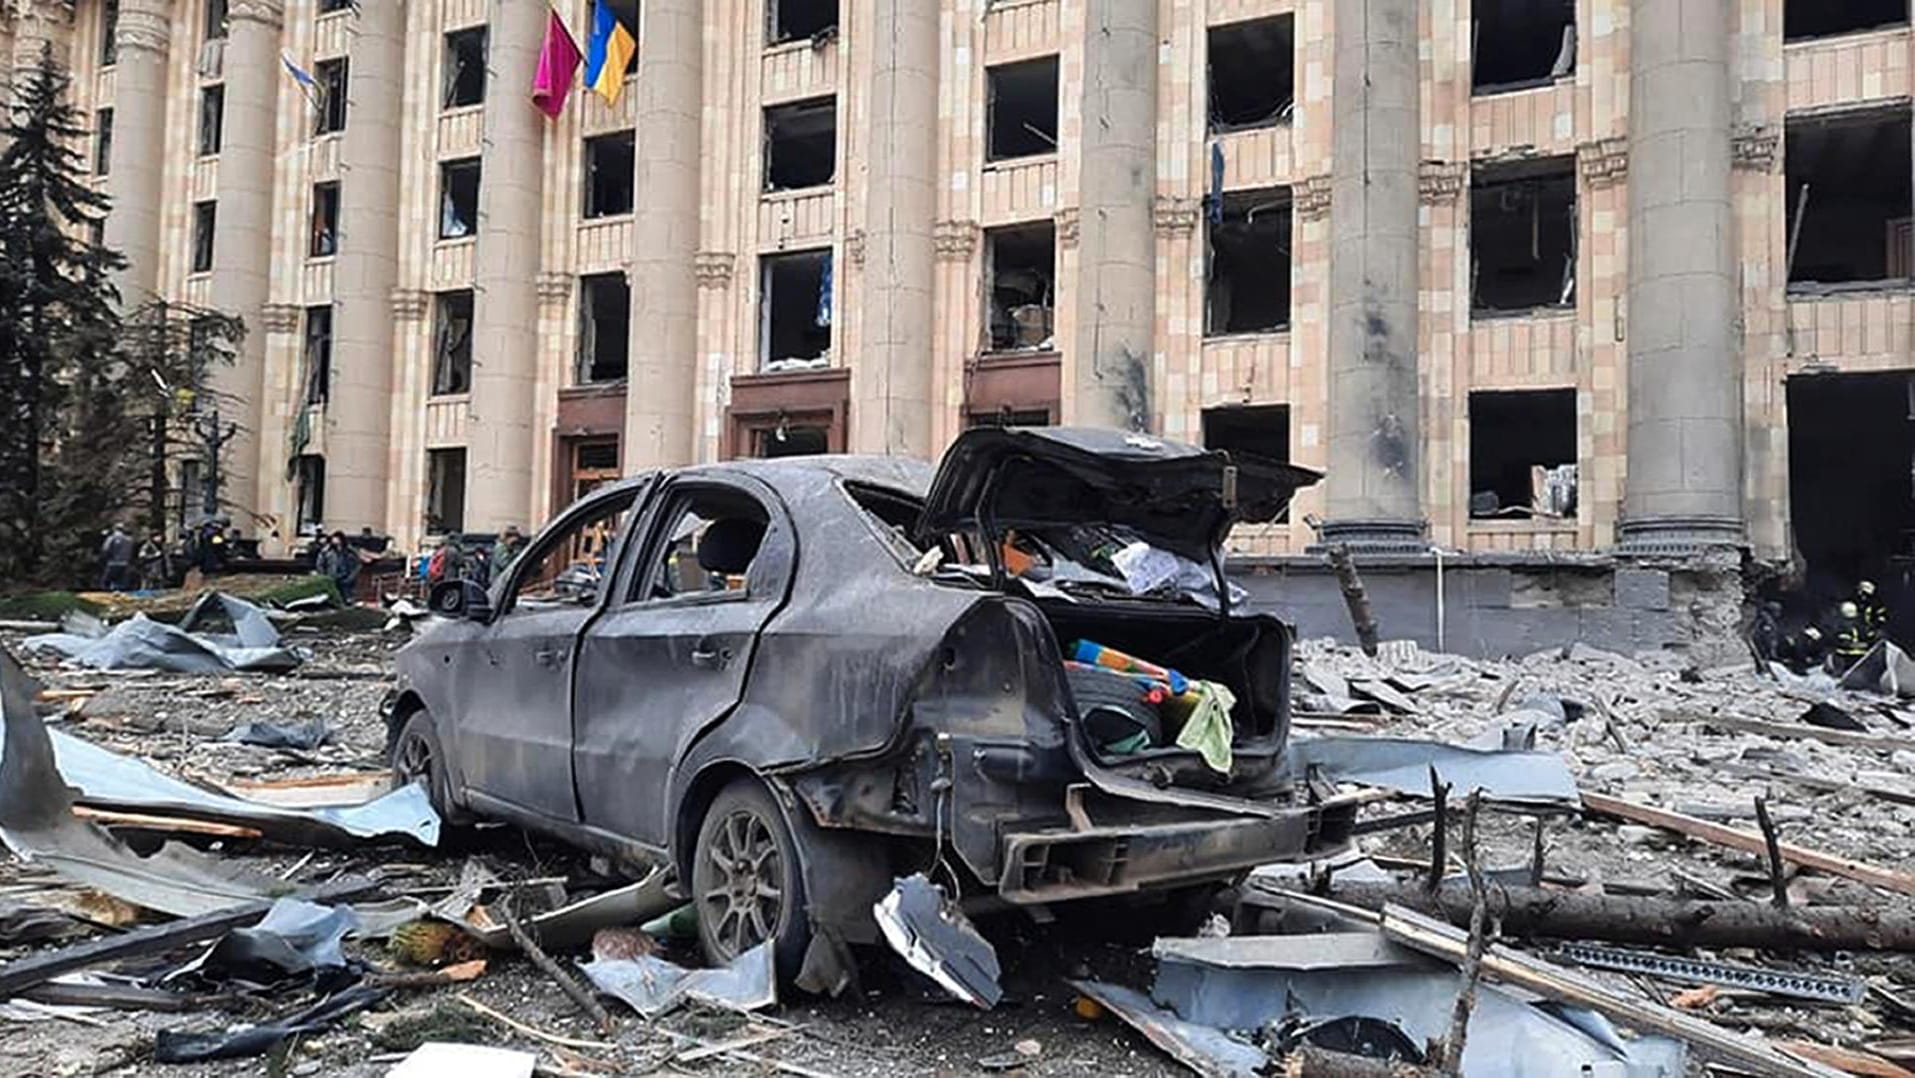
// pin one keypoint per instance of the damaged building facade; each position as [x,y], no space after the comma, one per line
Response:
[1641,285]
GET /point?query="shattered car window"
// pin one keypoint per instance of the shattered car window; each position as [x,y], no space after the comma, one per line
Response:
[894,515]
[571,564]
[711,541]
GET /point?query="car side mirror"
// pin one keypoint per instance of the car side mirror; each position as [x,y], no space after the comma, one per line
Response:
[465,599]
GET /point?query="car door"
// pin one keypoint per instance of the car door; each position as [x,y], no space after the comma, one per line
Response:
[514,734]
[669,659]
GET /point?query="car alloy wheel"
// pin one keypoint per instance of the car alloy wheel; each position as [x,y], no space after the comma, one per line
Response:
[412,758]
[745,898]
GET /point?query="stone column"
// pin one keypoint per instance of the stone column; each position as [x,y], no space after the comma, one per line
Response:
[1115,292]
[358,412]
[505,302]
[894,259]
[1373,490]
[1683,489]
[243,241]
[661,411]
[139,146]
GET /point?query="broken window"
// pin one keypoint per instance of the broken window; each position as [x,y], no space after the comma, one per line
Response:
[215,27]
[324,240]
[1522,43]
[445,491]
[608,174]
[109,33]
[205,218]
[102,142]
[1253,430]
[795,310]
[464,72]
[1522,460]
[318,355]
[212,117]
[309,493]
[452,343]
[1849,205]
[1021,116]
[796,20]
[330,110]
[1248,280]
[327,7]
[1020,272]
[710,538]
[1523,236]
[1851,506]
[1008,416]
[801,144]
[1825,18]
[789,440]
[1252,73]
[605,327]
[458,198]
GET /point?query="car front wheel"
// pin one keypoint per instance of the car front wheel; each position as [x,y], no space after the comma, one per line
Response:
[417,756]
[747,882]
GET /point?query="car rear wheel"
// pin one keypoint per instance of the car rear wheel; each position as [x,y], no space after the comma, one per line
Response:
[747,882]
[417,755]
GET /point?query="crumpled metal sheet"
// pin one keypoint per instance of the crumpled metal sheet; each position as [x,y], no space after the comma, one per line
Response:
[140,643]
[295,939]
[935,938]
[175,1046]
[1204,1049]
[565,928]
[652,986]
[1403,764]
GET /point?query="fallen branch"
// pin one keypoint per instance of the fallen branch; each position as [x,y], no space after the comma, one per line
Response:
[435,978]
[1531,912]
[1749,842]
[1453,1044]
[756,1037]
[547,966]
[1772,851]
[535,1034]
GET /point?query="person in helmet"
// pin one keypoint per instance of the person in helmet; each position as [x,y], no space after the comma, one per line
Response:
[1851,639]
[1874,612]
[1805,651]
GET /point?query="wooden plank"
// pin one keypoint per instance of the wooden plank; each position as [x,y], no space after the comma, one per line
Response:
[1786,730]
[1815,782]
[170,824]
[1749,842]
[1845,1060]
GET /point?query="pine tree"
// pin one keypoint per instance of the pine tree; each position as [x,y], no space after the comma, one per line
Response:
[58,319]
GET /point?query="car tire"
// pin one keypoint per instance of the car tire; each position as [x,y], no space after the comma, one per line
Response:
[416,753]
[747,880]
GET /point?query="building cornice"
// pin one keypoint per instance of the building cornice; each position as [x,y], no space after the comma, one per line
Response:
[143,29]
[409,304]
[954,240]
[713,269]
[268,13]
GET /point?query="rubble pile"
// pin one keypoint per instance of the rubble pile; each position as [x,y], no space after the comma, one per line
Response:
[1573,862]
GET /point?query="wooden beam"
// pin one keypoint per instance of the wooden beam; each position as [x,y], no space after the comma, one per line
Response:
[1787,730]
[1749,842]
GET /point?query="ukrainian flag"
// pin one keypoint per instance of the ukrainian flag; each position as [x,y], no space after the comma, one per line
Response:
[609,53]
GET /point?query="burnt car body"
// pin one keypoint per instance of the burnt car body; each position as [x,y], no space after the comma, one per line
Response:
[850,684]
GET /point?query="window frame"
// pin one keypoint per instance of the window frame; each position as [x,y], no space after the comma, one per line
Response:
[318,368]
[439,323]
[324,193]
[662,515]
[205,225]
[103,141]
[449,78]
[505,600]
[588,210]
[211,136]
[446,168]
[334,78]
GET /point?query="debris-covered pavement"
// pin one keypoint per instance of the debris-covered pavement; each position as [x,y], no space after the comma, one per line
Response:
[1613,816]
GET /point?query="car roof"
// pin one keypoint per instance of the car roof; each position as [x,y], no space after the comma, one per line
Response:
[907,474]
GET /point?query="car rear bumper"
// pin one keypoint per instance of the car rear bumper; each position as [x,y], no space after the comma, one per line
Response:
[1060,864]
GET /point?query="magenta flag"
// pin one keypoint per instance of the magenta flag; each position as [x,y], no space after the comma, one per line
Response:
[558,62]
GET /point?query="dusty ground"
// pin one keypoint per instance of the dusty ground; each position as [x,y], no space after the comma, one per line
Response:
[1671,759]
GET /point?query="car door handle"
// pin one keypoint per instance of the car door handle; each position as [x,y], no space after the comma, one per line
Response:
[707,657]
[549,657]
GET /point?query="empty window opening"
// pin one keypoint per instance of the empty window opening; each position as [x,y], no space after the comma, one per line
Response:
[452,343]
[464,68]
[790,440]
[1008,417]
[1522,43]
[626,12]
[458,198]
[309,492]
[1022,113]
[801,144]
[1260,431]
[215,26]
[109,33]
[795,310]
[1523,236]
[604,332]
[1020,275]
[797,20]
[212,117]
[102,142]
[330,106]
[205,220]
[318,355]
[1522,459]
[1252,73]
[1849,203]
[327,7]
[1826,18]
[445,491]
[325,223]
[608,174]
[1851,506]
[1248,282]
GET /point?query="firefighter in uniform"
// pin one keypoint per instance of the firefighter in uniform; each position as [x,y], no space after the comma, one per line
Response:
[1851,639]
[1873,610]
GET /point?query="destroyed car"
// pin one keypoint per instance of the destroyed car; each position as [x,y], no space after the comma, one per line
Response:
[795,680]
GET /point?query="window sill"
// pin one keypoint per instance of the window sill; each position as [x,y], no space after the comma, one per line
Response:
[999,357]
[792,194]
[622,217]
[449,398]
[1521,525]
[1837,289]
[455,241]
[614,387]
[199,274]
[1000,164]
[1526,86]
[202,158]
[1247,335]
[1248,129]
[321,260]
[803,44]
[1547,312]
[447,112]
[1887,30]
